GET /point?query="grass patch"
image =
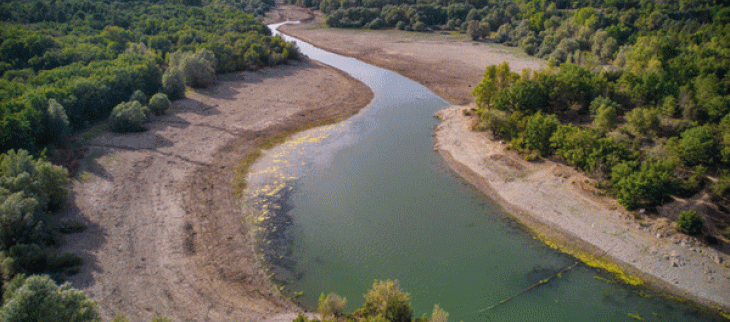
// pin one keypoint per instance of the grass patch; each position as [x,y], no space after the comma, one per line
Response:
[94,131]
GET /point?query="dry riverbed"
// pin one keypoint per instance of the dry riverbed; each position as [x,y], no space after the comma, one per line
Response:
[165,233]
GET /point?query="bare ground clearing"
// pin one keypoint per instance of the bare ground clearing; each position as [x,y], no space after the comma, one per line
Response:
[165,230]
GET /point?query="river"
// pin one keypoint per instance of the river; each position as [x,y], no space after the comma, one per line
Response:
[369,198]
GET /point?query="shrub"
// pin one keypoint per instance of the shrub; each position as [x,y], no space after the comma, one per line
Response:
[197,68]
[606,118]
[697,146]
[387,300]
[439,315]
[642,184]
[159,103]
[690,223]
[38,298]
[642,120]
[129,117]
[331,305]
[173,84]
[138,96]
[721,189]
[538,132]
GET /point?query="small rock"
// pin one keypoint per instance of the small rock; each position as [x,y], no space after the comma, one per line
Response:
[659,235]
[675,263]
[718,259]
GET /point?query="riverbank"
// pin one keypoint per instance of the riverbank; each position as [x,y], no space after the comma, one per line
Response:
[165,229]
[584,223]
[562,207]
[448,64]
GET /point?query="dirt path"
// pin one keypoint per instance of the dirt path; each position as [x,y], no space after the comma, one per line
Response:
[165,232]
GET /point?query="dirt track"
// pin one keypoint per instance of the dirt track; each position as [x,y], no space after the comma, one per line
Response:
[165,232]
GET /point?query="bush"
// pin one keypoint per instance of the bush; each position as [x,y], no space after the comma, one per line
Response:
[197,68]
[642,185]
[129,117]
[38,298]
[642,120]
[690,223]
[159,103]
[538,132]
[605,118]
[331,305]
[387,300]
[173,84]
[138,96]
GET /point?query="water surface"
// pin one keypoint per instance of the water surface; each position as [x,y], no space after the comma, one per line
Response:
[369,199]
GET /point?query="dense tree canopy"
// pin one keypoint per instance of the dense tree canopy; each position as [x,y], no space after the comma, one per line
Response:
[89,56]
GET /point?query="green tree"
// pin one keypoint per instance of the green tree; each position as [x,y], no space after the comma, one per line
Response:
[538,132]
[198,68]
[386,299]
[39,299]
[173,84]
[129,117]
[56,120]
[495,79]
[642,120]
[159,104]
[642,184]
[331,305]
[605,118]
[690,223]
[697,146]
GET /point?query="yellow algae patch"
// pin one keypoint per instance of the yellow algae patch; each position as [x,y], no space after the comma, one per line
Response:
[590,259]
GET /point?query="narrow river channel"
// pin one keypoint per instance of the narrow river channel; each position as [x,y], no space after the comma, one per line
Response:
[368,198]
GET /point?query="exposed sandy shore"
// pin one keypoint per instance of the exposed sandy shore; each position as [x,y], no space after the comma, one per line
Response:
[449,65]
[561,205]
[558,202]
[165,230]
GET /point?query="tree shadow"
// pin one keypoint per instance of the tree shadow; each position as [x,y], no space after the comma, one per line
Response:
[84,243]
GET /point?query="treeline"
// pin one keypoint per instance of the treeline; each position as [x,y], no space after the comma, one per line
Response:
[642,151]
[90,56]
[557,30]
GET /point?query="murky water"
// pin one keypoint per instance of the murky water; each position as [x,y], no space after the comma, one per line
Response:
[369,199]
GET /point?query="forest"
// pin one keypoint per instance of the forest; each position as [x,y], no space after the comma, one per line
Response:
[90,56]
[66,65]
[636,93]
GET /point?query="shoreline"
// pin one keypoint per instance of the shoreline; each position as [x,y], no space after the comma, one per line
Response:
[585,225]
[647,251]
[166,234]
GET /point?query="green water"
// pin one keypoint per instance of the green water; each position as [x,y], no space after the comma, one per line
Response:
[373,200]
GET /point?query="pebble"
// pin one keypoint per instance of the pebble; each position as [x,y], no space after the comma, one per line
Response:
[718,259]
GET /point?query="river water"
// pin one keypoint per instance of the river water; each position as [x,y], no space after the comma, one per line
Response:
[368,198]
